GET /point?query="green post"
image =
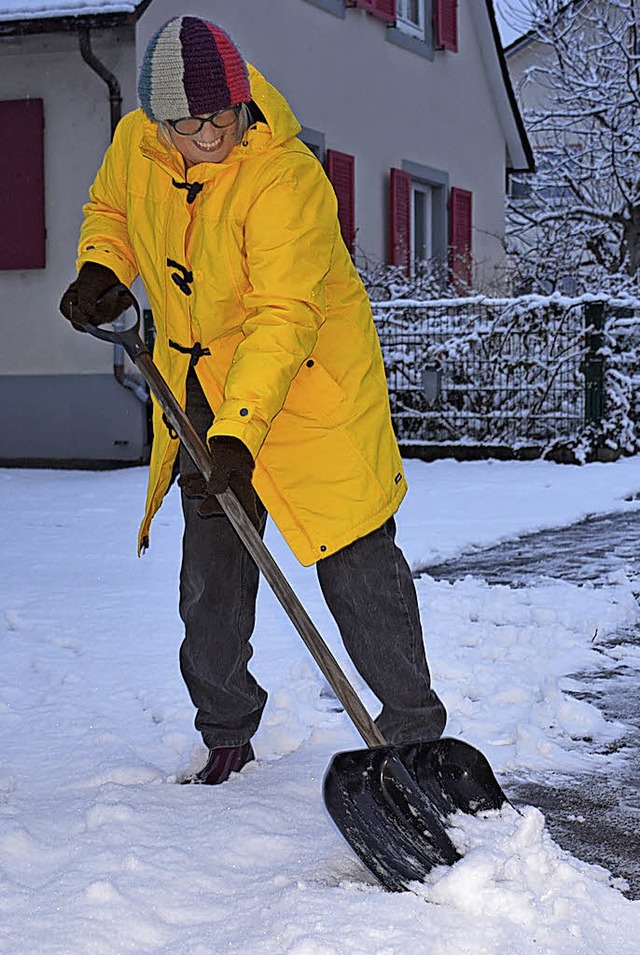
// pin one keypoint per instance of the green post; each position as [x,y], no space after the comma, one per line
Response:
[594,363]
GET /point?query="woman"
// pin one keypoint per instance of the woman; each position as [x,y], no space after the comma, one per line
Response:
[265,334]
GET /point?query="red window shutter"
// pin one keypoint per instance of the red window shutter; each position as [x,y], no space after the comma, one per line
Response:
[22,229]
[446,24]
[460,223]
[340,168]
[400,219]
[384,10]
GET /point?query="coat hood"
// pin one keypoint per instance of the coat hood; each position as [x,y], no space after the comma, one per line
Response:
[281,125]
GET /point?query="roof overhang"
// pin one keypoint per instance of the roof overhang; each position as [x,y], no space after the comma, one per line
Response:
[67,17]
[519,151]
[519,43]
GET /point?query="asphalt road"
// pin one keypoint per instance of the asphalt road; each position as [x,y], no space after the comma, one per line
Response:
[596,817]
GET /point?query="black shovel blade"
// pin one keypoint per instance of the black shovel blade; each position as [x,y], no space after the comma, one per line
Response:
[454,771]
[392,803]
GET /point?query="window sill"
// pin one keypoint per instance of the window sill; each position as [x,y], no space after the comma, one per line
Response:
[411,43]
[336,7]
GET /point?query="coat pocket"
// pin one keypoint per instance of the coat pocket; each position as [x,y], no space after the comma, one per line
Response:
[314,394]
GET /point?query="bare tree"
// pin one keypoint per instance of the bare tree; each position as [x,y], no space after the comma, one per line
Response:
[578,217]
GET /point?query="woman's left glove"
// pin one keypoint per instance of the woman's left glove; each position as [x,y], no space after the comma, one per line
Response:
[86,303]
[232,467]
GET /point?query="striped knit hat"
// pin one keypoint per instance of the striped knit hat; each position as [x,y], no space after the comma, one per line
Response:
[191,67]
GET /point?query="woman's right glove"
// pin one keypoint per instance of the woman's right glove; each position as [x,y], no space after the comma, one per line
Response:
[232,467]
[86,303]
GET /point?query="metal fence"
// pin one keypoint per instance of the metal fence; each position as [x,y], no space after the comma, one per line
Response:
[517,373]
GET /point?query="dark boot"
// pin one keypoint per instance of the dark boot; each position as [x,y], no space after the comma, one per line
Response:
[223,760]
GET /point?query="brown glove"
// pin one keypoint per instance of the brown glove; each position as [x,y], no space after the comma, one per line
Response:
[232,467]
[86,303]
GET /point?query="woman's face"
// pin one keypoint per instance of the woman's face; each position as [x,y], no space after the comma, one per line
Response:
[210,144]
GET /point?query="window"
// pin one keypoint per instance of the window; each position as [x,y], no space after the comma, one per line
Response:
[413,27]
[418,215]
[422,234]
[22,245]
[519,188]
[314,140]
[410,17]
[340,168]
[554,168]
[551,183]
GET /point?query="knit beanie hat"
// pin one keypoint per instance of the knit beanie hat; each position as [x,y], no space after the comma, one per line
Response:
[191,67]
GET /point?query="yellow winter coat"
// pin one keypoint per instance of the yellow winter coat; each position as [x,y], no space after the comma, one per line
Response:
[252,266]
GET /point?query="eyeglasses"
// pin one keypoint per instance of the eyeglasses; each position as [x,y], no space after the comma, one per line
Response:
[190,125]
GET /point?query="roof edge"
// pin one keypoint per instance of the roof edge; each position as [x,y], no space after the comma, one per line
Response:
[69,24]
[513,103]
[520,42]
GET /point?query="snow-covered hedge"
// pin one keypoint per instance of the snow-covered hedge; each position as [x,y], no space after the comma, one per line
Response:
[531,372]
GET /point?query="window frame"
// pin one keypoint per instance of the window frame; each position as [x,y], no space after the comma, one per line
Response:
[410,27]
[425,215]
[423,45]
[437,180]
[315,141]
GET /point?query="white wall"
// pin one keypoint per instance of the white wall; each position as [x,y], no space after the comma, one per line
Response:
[59,385]
[35,337]
[375,100]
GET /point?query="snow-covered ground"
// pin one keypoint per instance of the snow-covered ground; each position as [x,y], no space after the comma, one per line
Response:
[102,852]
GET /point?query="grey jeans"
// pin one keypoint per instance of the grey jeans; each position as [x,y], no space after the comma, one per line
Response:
[368,588]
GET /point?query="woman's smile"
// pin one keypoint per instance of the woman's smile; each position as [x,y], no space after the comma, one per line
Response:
[206,146]
[209,147]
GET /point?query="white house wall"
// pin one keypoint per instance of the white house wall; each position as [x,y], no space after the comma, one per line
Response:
[60,384]
[375,100]
[530,94]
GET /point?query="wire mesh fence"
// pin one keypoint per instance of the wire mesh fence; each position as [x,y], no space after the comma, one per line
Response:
[518,373]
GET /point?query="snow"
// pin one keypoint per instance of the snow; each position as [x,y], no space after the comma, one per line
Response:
[42,9]
[102,852]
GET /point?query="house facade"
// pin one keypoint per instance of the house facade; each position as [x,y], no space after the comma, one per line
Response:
[62,389]
[407,104]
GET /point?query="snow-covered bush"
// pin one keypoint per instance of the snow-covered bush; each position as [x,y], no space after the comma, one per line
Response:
[513,373]
[617,430]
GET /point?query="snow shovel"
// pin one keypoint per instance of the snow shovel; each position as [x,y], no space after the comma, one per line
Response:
[392,803]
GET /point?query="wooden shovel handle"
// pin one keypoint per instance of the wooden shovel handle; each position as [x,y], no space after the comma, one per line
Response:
[138,352]
[258,550]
